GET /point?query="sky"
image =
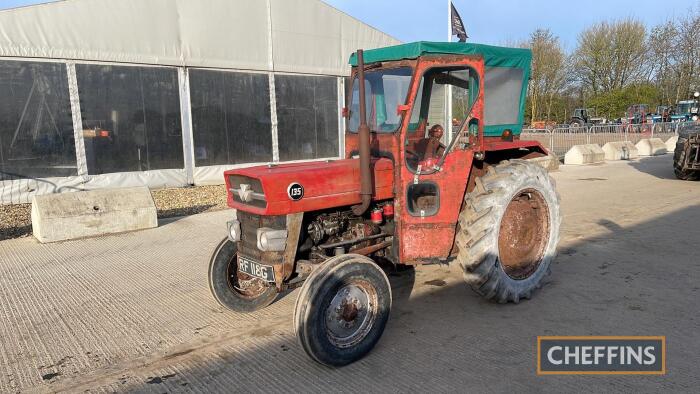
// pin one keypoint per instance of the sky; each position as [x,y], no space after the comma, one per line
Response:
[501,22]
[504,22]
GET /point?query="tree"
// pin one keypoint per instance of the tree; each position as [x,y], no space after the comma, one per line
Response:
[662,53]
[548,73]
[687,55]
[615,102]
[611,55]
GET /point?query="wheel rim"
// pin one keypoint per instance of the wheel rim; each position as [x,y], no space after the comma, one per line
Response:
[243,284]
[351,314]
[524,234]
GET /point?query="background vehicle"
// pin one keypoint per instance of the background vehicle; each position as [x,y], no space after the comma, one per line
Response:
[688,109]
[637,114]
[579,118]
[686,157]
[584,116]
[663,114]
[406,193]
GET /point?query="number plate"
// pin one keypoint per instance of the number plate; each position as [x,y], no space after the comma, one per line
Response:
[250,267]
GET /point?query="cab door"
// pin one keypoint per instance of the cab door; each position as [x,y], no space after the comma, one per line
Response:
[436,163]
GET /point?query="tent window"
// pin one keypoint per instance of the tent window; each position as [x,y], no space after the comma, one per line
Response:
[230,117]
[502,88]
[307,116]
[131,118]
[36,128]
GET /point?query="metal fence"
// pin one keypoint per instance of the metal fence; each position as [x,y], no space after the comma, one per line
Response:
[559,140]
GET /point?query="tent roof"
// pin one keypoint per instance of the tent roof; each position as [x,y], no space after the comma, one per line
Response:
[297,36]
[493,56]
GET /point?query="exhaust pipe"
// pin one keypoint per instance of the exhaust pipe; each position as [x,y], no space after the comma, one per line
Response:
[363,135]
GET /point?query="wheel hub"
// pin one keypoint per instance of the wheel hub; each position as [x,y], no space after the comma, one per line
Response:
[523,234]
[350,314]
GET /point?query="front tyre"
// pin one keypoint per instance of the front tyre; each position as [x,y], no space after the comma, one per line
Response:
[342,309]
[509,230]
[235,290]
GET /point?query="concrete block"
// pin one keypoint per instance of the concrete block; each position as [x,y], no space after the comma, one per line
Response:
[549,162]
[622,150]
[584,154]
[671,143]
[60,217]
[651,147]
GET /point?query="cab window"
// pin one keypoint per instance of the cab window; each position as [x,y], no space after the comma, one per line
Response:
[385,90]
[430,131]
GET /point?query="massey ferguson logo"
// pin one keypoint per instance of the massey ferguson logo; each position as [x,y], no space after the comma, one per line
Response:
[295,191]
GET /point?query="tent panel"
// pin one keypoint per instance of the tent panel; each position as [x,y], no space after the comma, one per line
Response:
[357,35]
[93,30]
[225,34]
[304,33]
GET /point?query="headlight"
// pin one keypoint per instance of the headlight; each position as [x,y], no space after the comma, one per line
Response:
[695,118]
[234,230]
[271,240]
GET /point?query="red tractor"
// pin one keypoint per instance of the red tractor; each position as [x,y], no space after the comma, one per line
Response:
[408,191]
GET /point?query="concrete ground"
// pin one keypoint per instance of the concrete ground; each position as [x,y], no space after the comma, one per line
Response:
[133,312]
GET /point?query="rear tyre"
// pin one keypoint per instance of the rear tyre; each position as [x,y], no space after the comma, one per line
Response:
[508,231]
[679,157]
[342,309]
[236,291]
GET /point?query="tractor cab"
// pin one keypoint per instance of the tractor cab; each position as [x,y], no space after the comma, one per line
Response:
[433,140]
[688,109]
[580,117]
[433,171]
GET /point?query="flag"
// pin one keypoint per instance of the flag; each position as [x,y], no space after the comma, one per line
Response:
[457,25]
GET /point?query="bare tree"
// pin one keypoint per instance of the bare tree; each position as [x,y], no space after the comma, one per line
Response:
[687,55]
[662,54]
[674,54]
[611,55]
[548,72]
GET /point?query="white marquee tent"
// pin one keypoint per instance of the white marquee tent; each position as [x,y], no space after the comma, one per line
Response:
[167,93]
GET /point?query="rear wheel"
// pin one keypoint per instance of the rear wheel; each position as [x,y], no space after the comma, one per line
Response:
[235,290]
[679,158]
[509,230]
[342,309]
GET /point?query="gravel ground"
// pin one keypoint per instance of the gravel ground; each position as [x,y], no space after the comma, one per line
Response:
[16,220]
[189,201]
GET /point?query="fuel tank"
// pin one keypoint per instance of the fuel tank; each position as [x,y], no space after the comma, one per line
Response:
[303,187]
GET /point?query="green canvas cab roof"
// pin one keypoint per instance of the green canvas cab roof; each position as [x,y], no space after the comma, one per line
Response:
[507,72]
[494,56]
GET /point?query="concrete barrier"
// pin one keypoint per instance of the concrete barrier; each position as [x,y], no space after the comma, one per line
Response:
[60,217]
[549,162]
[622,150]
[584,154]
[671,143]
[651,147]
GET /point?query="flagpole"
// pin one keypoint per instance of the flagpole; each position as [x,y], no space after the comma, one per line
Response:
[448,93]
[449,20]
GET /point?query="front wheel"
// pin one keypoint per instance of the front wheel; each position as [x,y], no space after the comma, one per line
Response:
[679,159]
[509,230]
[235,290]
[342,309]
